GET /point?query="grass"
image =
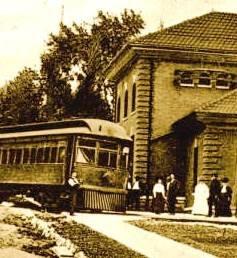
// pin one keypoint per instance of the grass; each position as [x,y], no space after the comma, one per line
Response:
[221,242]
[35,243]
[92,243]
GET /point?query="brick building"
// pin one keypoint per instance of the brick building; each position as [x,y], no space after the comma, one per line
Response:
[174,92]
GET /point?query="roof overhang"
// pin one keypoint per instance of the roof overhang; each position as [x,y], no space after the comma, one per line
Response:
[217,118]
[131,52]
[196,122]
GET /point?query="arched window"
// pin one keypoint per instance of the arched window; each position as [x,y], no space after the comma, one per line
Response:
[204,80]
[222,81]
[186,79]
[118,110]
[134,96]
[125,104]
[233,81]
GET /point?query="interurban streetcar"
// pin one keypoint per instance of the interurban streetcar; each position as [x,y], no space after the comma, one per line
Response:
[37,159]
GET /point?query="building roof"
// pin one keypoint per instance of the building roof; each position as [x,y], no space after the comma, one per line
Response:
[215,31]
[227,104]
[212,33]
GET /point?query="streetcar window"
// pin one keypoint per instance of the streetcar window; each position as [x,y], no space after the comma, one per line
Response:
[18,156]
[39,156]
[4,157]
[26,155]
[46,155]
[108,145]
[87,143]
[103,159]
[61,154]
[123,161]
[107,159]
[108,154]
[85,155]
[113,160]
[12,155]
[53,157]
[86,151]
[33,155]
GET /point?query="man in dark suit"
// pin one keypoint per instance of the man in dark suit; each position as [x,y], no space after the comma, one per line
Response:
[172,192]
[215,189]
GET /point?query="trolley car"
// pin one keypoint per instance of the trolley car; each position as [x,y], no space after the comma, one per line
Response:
[37,159]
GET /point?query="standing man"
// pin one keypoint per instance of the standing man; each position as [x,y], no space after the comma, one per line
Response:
[215,189]
[74,186]
[172,192]
[136,191]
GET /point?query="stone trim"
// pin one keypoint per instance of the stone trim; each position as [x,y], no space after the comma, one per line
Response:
[211,156]
[143,108]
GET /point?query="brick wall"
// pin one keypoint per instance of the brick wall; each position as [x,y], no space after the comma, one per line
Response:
[171,102]
[228,162]
[164,157]
[126,83]
[217,153]
[173,154]
[220,155]
[137,123]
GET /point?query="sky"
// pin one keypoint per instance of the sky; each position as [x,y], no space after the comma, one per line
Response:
[25,25]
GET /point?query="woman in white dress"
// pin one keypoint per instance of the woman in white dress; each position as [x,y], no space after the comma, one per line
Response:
[158,196]
[201,194]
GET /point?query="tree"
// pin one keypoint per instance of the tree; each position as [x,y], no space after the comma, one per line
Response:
[77,56]
[21,98]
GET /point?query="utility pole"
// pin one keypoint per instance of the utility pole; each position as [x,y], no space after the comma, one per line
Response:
[62,14]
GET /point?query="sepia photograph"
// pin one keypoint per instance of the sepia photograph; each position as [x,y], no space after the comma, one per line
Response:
[118,129]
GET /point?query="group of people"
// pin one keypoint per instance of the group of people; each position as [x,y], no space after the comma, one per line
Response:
[215,198]
[218,195]
[168,194]
[162,193]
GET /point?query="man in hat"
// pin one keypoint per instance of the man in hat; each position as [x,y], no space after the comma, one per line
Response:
[172,192]
[214,195]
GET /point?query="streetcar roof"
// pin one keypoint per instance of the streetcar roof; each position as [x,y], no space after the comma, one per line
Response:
[107,128]
[61,131]
[77,126]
